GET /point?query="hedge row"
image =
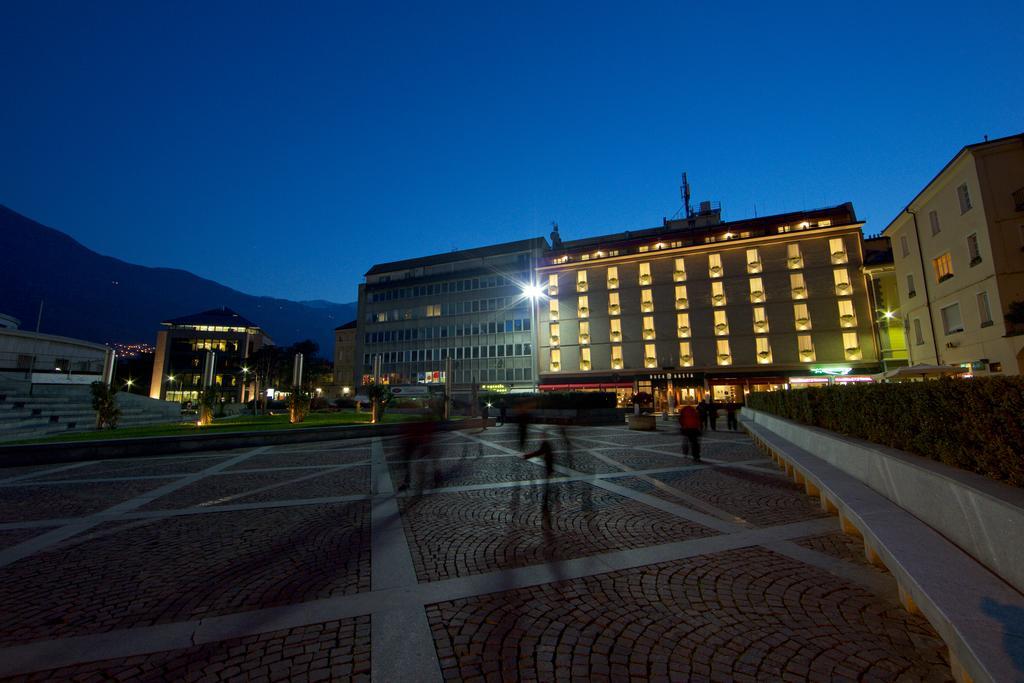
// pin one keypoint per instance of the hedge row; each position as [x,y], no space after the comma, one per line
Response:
[976,425]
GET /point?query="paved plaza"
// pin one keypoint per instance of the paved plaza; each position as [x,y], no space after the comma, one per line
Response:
[317,561]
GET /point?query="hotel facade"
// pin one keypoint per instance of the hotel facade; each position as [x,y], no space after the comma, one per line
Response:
[704,307]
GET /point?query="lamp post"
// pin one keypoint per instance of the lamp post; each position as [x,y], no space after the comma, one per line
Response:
[129,384]
[533,292]
[170,378]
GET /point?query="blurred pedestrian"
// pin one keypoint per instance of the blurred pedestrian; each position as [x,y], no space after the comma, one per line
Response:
[689,426]
[730,417]
[702,411]
[502,412]
[713,415]
[485,412]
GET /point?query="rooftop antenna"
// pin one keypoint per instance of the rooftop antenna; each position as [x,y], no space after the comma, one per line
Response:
[684,190]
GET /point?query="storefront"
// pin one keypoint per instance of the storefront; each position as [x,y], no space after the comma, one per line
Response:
[623,390]
[672,389]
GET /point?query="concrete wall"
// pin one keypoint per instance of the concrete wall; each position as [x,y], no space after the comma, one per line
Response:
[983,517]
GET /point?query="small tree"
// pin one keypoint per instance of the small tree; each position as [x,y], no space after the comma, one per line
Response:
[298,406]
[380,396]
[105,404]
[207,398]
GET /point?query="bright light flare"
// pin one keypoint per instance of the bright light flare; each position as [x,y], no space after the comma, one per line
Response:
[532,291]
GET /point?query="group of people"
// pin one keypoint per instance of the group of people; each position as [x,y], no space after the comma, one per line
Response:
[695,419]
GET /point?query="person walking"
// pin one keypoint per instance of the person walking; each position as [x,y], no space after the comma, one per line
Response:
[702,412]
[689,426]
[713,415]
[502,412]
[730,417]
[485,412]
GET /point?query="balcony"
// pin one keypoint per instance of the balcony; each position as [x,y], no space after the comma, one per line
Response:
[724,359]
[754,267]
[848,320]
[853,353]
[679,276]
[757,296]
[838,257]
[684,331]
[613,283]
[616,335]
[616,363]
[554,340]
[581,286]
[761,326]
[807,356]
[682,302]
[722,329]
[552,290]
[718,299]
[649,333]
[686,360]
[584,365]
[650,362]
[584,338]
[715,271]
[764,357]
[795,262]
[803,324]
[583,312]
[844,289]
[645,280]
[614,309]
[799,292]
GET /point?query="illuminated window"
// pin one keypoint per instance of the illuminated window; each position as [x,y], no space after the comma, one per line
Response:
[646,300]
[756,290]
[797,285]
[724,354]
[650,356]
[801,317]
[753,261]
[585,358]
[685,355]
[683,324]
[583,307]
[681,299]
[837,250]
[717,293]
[847,317]
[715,265]
[433,310]
[794,259]
[805,347]
[645,274]
[615,330]
[643,248]
[842,280]
[553,309]
[679,274]
[827,223]
[552,285]
[943,267]
[556,360]
[616,358]
[721,323]
[581,281]
[648,327]
[764,350]
[613,278]
[851,345]
[613,303]
[760,319]
[584,332]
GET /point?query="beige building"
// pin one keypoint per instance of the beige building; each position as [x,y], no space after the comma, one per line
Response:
[700,306]
[344,359]
[959,257]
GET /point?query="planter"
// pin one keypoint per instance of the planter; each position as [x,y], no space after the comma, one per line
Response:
[613,283]
[648,334]
[794,263]
[584,365]
[683,331]
[583,312]
[679,276]
[581,286]
[721,328]
[584,339]
[643,423]
[554,340]
[616,364]
[650,362]
[757,296]
[838,257]
[724,358]
[799,292]
[848,320]
[761,326]
[616,336]
[647,307]
[682,302]
[686,361]
[613,309]
[715,271]
[754,267]
[645,280]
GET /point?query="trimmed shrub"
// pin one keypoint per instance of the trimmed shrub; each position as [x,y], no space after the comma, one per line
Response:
[976,425]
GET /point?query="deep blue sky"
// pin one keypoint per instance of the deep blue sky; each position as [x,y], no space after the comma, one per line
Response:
[284,152]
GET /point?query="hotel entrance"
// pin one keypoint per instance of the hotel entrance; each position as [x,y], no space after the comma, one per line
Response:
[672,389]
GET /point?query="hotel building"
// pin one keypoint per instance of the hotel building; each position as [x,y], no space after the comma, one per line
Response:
[701,306]
[182,349]
[467,307]
[958,249]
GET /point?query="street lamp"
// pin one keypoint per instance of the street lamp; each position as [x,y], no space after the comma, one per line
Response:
[533,292]
[170,378]
[129,384]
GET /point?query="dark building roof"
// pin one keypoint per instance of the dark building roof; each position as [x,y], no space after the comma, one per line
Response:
[222,317]
[842,214]
[347,326]
[877,252]
[462,255]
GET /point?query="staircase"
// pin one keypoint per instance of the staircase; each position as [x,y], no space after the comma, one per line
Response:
[32,412]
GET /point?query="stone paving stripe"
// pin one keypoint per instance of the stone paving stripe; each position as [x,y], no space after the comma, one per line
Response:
[44,471]
[676,509]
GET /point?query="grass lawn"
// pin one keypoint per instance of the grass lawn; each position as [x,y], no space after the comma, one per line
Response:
[244,423]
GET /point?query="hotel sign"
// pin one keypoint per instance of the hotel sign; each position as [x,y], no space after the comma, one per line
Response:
[834,372]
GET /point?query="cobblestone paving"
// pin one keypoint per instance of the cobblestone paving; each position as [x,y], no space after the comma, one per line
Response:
[840,545]
[134,468]
[186,567]
[54,501]
[747,614]
[744,615]
[435,474]
[231,488]
[336,651]
[761,499]
[465,533]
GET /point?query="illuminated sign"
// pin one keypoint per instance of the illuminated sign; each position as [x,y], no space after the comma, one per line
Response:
[496,388]
[835,372]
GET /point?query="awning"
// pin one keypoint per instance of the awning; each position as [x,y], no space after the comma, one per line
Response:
[589,385]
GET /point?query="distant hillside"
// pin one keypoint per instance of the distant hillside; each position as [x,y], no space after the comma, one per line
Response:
[103,299]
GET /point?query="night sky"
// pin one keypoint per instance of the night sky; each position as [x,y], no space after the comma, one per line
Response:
[283,153]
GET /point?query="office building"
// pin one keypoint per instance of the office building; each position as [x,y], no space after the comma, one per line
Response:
[183,346]
[958,251]
[344,360]
[468,307]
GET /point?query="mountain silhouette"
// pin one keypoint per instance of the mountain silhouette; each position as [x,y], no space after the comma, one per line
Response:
[103,299]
